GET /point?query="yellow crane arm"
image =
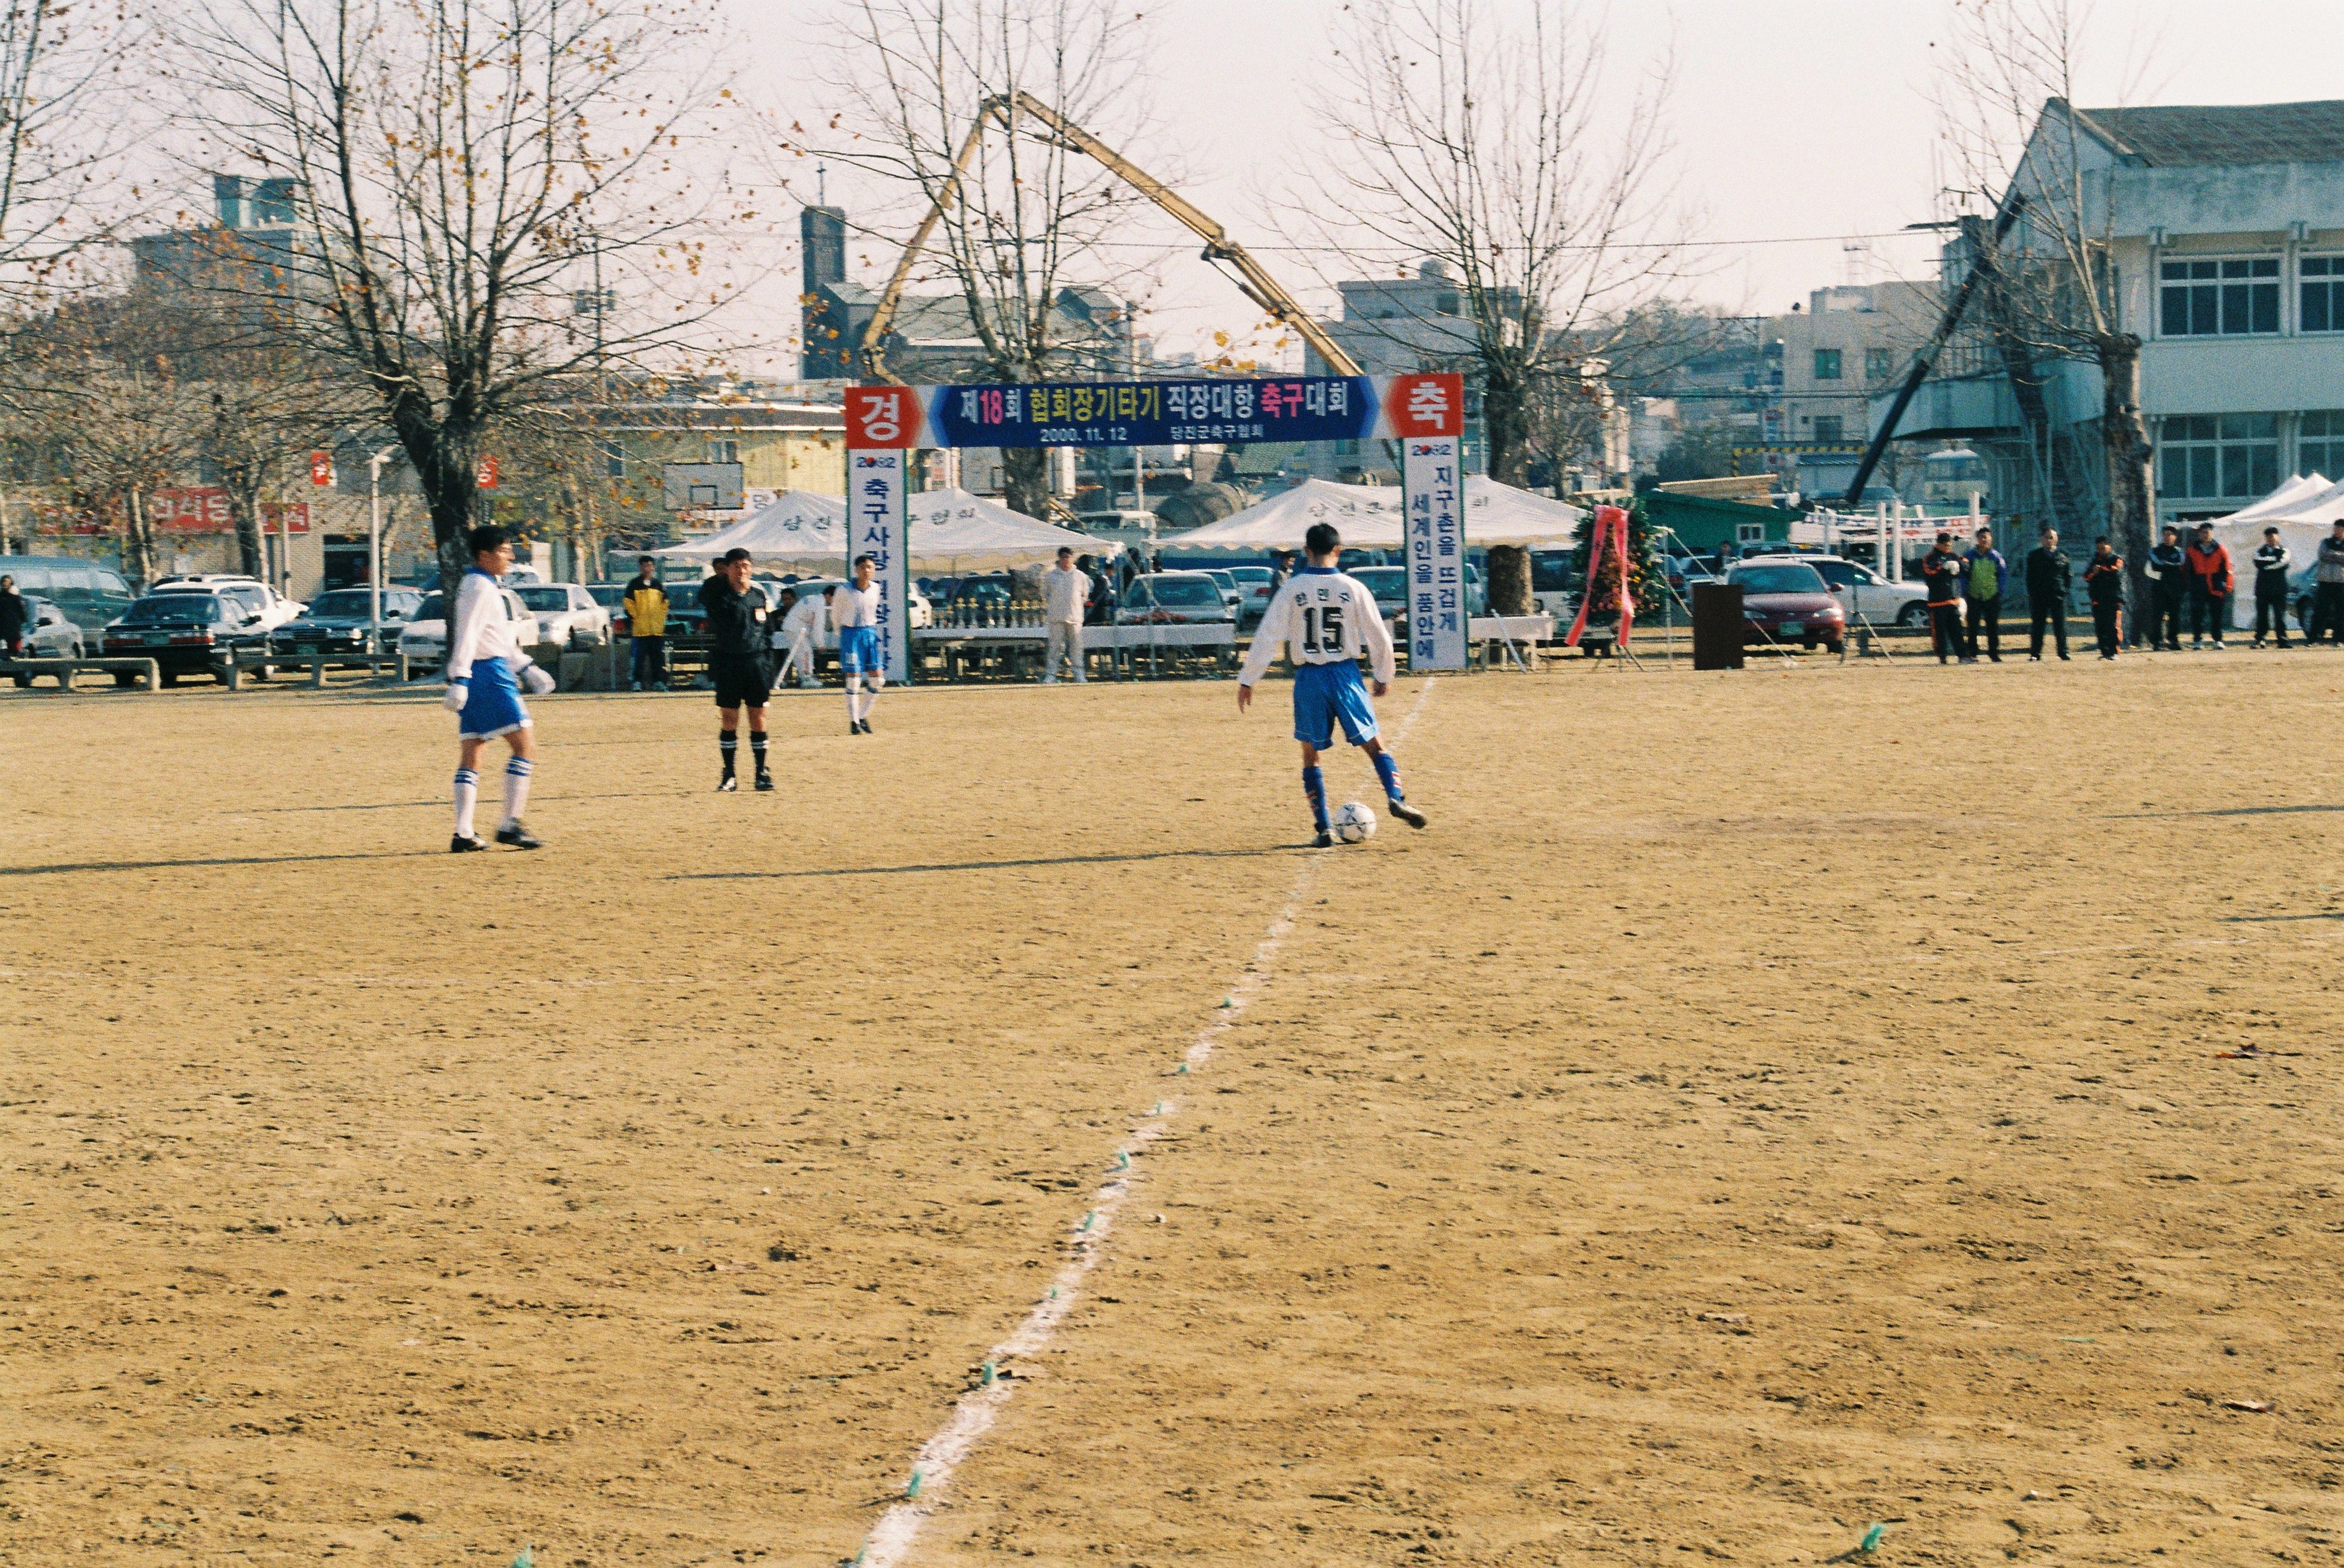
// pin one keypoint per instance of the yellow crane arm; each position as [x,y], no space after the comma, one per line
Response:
[1253,280]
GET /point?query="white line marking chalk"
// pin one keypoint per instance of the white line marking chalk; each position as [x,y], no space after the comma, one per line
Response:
[892,1538]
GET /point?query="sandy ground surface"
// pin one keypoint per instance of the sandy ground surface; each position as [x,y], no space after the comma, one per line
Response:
[1762,1106]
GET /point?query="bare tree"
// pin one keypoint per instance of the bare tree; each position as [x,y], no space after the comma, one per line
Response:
[2006,99]
[58,146]
[1503,145]
[459,169]
[1020,213]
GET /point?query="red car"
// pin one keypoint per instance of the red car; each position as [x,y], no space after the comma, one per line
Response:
[1787,603]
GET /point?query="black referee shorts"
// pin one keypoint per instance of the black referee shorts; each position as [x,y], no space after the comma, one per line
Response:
[742,684]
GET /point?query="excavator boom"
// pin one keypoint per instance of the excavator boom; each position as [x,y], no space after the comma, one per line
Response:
[1253,280]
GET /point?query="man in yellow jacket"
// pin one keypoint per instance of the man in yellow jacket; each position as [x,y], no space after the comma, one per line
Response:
[646,608]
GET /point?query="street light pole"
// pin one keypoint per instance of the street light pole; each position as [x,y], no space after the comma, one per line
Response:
[374,548]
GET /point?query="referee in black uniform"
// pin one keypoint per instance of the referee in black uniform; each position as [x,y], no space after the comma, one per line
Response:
[740,654]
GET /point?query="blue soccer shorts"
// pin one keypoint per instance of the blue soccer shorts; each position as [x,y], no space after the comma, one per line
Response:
[859,651]
[492,706]
[1324,693]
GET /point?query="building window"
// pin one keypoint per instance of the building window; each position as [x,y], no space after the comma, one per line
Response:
[722,452]
[1879,364]
[1749,533]
[2323,293]
[2212,457]
[614,460]
[1828,428]
[2220,298]
[2320,448]
[1826,364]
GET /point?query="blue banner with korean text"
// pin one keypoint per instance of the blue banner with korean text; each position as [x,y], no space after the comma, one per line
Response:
[1148,413]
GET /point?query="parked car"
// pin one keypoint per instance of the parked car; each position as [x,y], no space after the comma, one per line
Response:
[1253,582]
[48,634]
[268,606]
[425,637]
[1175,598]
[567,615]
[1554,583]
[1864,593]
[1787,603]
[1227,584]
[188,633]
[339,621]
[1390,586]
[89,595]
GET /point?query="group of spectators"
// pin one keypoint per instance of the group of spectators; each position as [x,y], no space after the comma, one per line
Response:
[1964,592]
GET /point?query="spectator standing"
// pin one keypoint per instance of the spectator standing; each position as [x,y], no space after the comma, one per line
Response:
[2049,576]
[2169,568]
[646,607]
[1982,569]
[1064,591]
[1281,567]
[1941,569]
[2104,584]
[800,629]
[2271,561]
[2328,586]
[14,615]
[1100,612]
[2211,579]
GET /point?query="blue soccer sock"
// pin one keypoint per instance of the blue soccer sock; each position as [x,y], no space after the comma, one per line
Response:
[1387,770]
[1314,785]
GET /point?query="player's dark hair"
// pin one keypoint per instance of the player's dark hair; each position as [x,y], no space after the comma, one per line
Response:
[861,558]
[485,538]
[2268,532]
[2103,538]
[1944,539]
[735,553]
[1322,539]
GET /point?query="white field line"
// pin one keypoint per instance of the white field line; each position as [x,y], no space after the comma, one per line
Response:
[891,1539]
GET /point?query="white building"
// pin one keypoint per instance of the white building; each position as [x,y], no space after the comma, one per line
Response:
[2224,227]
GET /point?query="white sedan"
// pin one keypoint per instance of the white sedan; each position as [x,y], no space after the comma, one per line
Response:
[425,637]
[567,615]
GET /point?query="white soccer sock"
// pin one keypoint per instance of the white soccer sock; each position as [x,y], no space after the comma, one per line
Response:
[467,792]
[854,697]
[516,789]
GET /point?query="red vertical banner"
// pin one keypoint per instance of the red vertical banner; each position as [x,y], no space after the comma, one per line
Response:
[321,469]
[1607,550]
[485,476]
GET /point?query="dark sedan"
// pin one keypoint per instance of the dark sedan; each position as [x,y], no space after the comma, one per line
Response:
[1787,603]
[339,621]
[187,635]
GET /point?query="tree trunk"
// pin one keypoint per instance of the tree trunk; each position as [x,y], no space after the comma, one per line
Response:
[1025,479]
[1506,420]
[1509,580]
[2132,493]
[140,538]
[244,512]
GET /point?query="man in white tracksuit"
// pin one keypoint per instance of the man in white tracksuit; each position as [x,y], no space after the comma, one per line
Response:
[1064,591]
[800,630]
[486,670]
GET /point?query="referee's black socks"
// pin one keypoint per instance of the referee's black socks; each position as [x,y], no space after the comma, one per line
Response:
[757,748]
[728,742]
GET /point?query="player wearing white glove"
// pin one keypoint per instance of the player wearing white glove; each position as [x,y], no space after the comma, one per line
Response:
[486,669]
[1331,622]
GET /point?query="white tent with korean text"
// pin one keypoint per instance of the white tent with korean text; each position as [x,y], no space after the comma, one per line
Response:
[1368,518]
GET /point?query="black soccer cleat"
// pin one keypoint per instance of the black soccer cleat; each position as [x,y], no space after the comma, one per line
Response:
[1326,839]
[1405,812]
[863,725]
[727,785]
[459,844]
[765,782]
[513,836]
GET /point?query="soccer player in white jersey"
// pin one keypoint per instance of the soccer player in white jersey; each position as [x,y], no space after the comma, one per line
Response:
[854,610]
[486,670]
[1331,622]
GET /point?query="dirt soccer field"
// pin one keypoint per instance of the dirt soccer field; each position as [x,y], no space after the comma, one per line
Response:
[1761,1107]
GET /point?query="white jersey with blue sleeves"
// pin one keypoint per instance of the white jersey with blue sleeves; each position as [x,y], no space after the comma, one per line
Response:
[1326,618]
[478,629]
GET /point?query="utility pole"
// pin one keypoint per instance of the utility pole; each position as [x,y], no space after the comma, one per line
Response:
[374,550]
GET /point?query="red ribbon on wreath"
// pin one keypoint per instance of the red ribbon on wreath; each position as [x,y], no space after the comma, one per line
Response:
[1610,529]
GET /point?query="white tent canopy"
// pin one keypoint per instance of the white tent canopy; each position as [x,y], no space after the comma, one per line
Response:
[2302,510]
[950,530]
[797,531]
[1369,517]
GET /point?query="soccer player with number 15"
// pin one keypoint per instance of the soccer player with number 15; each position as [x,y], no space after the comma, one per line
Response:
[1329,620]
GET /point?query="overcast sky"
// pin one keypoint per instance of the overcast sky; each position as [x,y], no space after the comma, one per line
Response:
[1803,126]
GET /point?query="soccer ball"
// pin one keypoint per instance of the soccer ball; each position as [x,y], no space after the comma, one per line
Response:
[1354,824]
